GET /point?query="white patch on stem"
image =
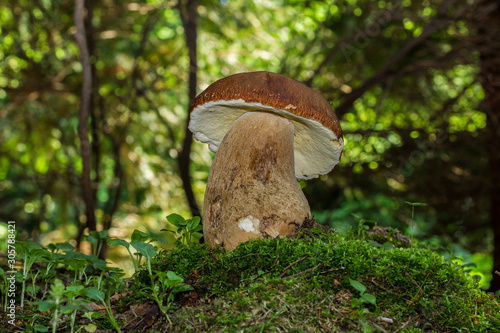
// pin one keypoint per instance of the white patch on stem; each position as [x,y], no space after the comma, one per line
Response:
[249,224]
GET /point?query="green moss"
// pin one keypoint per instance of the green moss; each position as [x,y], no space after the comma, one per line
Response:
[304,284]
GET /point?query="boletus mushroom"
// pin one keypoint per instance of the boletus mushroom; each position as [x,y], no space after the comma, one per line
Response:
[267,130]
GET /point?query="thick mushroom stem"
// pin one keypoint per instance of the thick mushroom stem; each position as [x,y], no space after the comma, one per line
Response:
[252,191]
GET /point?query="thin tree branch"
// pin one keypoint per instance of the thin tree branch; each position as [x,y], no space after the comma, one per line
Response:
[188,13]
[439,21]
[379,22]
[85,147]
[140,91]
[94,118]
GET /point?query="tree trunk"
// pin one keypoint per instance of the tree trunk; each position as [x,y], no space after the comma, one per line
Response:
[188,13]
[83,134]
[488,44]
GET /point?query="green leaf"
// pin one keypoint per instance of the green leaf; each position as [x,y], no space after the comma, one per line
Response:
[44,306]
[190,225]
[41,328]
[102,234]
[145,249]
[69,308]
[92,239]
[57,288]
[355,302]
[71,255]
[90,328]
[182,288]
[117,241]
[99,264]
[139,236]
[368,298]
[173,276]
[28,247]
[76,264]
[196,237]
[176,220]
[196,220]
[95,294]
[357,285]
[415,203]
[65,247]
[75,288]
[93,315]
[193,223]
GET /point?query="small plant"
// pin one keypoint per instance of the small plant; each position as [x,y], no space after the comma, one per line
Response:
[57,297]
[91,315]
[140,241]
[164,287]
[74,304]
[363,296]
[97,238]
[413,204]
[3,289]
[187,231]
[29,252]
[63,300]
[113,283]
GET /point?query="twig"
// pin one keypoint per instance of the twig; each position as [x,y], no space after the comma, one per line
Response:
[290,265]
[378,327]
[408,275]
[378,285]
[306,271]
[486,298]
[331,270]
[404,325]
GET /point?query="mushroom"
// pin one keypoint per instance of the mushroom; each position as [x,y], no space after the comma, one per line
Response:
[267,130]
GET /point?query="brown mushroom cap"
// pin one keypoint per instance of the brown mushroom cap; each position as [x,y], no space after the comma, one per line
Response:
[318,136]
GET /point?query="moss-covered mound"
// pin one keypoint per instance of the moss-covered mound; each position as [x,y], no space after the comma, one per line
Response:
[323,282]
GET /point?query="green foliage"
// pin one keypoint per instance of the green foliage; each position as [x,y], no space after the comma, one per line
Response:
[322,281]
[102,297]
[395,283]
[140,241]
[186,232]
[96,238]
[422,124]
[56,293]
[29,253]
[412,135]
[58,283]
[164,287]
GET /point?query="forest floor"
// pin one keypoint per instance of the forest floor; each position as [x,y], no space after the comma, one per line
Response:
[372,280]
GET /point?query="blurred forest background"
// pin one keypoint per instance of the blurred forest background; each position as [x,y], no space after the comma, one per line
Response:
[94,99]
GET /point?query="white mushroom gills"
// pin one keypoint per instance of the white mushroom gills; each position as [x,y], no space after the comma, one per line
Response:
[317,148]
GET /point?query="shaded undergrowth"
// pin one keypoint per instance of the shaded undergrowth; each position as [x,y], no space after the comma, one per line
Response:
[321,282]
[372,280]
